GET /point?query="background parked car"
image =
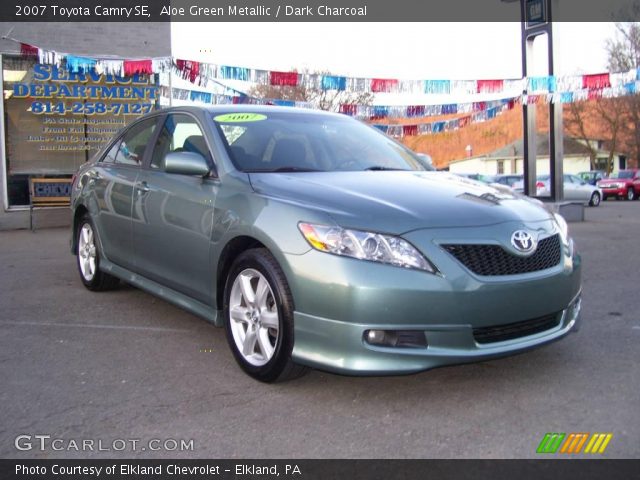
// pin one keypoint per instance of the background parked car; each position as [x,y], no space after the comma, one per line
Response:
[592,177]
[477,176]
[574,189]
[623,184]
[508,179]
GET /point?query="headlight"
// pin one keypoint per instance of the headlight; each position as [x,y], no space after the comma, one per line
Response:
[562,225]
[371,246]
[564,233]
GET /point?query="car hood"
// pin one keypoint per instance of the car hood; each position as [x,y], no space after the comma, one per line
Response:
[397,202]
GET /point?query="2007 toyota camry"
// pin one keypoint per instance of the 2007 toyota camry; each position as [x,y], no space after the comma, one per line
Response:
[317,241]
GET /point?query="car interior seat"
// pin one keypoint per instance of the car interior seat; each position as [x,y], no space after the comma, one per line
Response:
[288,153]
[196,144]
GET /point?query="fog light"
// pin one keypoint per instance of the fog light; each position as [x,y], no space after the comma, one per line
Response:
[396,338]
[375,337]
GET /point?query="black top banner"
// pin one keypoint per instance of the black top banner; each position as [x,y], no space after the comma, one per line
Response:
[315,10]
[320,469]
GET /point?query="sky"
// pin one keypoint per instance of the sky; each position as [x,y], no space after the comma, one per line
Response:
[392,50]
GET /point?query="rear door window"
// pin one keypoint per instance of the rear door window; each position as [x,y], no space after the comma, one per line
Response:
[131,150]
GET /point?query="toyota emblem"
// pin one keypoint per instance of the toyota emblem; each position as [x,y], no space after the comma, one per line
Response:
[523,241]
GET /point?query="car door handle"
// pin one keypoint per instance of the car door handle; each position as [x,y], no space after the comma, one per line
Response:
[142,187]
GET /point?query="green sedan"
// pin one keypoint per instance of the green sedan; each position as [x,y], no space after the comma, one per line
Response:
[317,241]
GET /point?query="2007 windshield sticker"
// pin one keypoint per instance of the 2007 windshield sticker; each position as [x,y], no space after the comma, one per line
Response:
[240,117]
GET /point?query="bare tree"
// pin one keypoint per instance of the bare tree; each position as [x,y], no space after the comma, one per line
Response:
[613,111]
[577,124]
[623,50]
[623,54]
[323,99]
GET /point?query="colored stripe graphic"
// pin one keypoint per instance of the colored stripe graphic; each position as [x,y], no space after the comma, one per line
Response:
[598,443]
[550,443]
[574,443]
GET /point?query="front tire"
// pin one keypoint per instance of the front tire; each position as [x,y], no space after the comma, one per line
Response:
[88,258]
[595,199]
[258,317]
[630,194]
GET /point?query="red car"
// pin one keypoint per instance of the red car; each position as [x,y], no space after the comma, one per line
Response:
[623,184]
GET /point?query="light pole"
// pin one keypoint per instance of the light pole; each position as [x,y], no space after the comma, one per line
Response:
[536,20]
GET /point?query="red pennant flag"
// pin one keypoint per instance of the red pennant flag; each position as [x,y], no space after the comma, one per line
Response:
[490,86]
[409,130]
[131,67]
[600,80]
[348,109]
[289,79]
[28,50]
[383,84]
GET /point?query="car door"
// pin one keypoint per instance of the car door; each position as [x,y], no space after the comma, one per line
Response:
[582,190]
[570,188]
[112,183]
[636,183]
[173,214]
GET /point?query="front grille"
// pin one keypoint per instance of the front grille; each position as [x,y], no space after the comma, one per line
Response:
[495,260]
[501,333]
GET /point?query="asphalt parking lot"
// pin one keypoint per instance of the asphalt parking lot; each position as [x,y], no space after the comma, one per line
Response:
[124,365]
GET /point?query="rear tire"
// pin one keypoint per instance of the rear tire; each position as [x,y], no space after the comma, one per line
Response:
[595,199]
[88,258]
[258,317]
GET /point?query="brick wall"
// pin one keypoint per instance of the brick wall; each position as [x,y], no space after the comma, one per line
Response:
[92,38]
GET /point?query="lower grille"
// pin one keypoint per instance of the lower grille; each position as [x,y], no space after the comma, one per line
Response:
[492,260]
[509,331]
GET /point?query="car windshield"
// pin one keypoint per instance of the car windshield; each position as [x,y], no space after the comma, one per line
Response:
[622,174]
[298,142]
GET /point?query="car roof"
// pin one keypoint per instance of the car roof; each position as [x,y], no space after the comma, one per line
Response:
[264,109]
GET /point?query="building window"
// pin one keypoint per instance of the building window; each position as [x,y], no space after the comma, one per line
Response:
[500,167]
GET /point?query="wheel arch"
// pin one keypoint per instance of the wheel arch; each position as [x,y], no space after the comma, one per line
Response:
[230,252]
[80,211]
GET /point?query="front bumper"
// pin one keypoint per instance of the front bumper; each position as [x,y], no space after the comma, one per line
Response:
[338,299]
[613,192]
[340,346]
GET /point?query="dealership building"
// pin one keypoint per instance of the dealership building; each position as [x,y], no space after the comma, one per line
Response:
[54,118]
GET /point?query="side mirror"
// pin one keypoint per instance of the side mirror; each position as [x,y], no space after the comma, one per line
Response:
[426,160]
[186,163]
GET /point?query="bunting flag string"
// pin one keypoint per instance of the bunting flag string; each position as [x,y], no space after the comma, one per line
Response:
[556,88]
[440,126]
[478,113]
[526,91]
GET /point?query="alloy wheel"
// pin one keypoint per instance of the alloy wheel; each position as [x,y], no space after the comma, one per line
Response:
[87,252]
[253,316]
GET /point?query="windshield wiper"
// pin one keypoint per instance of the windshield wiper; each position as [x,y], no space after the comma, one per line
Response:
[282,169]
[380,168]
[295,169]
